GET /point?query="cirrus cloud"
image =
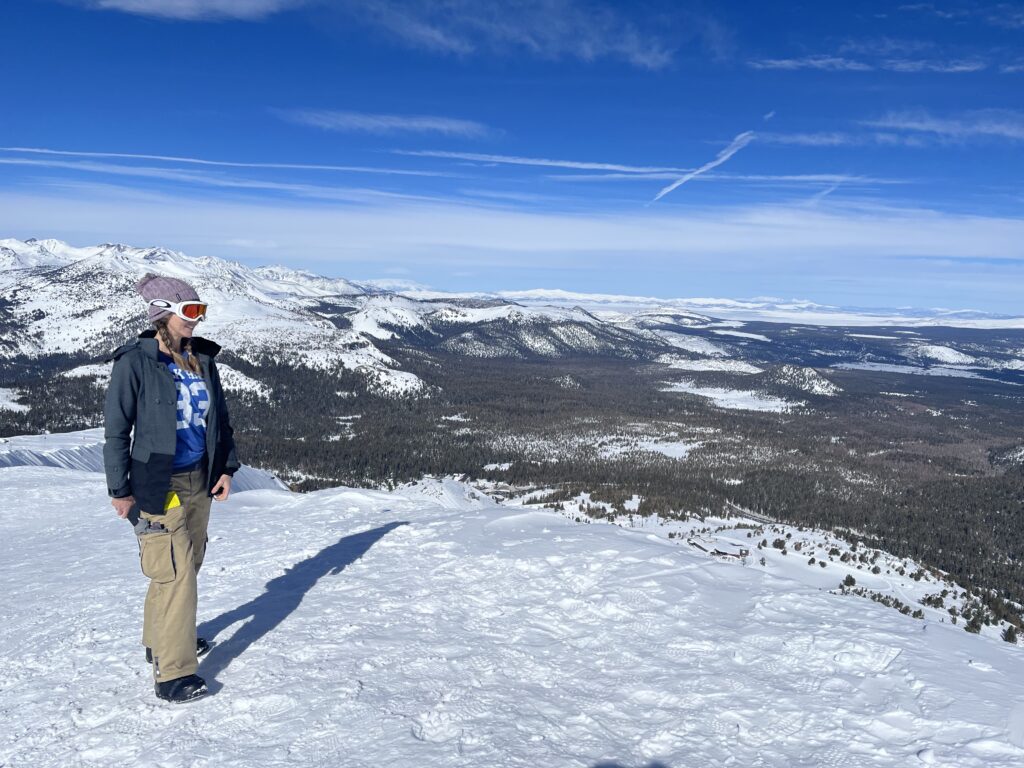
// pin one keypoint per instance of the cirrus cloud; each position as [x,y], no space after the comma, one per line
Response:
[197,10]
[364,122]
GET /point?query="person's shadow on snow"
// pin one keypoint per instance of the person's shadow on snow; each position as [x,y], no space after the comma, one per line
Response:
[281,596]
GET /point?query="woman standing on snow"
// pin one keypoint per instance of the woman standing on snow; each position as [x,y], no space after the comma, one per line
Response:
[165,386]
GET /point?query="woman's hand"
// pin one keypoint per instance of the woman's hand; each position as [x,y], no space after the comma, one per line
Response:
[222,489]
[123,505]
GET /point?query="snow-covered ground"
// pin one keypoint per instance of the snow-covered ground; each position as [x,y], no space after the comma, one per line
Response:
[728,366]
[9,400]
[936,370]
[696,344]
[433,627]
[674,449]
[237,382]
[942,354]
[83,450]
[743,335]
[735,399]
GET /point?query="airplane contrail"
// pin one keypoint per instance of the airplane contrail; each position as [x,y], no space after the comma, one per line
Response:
[737,144]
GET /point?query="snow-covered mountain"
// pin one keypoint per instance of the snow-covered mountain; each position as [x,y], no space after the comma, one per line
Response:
[770,310]
[58,299]
[433,626]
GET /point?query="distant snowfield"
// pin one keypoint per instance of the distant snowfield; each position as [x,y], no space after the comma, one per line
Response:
[99,371]
[430,627]
[9,400]
[696,344]
[238,382]
[674,449]
[728,366]
[943,354]
[736,399]
[743,335]
[937,370]
[771,310]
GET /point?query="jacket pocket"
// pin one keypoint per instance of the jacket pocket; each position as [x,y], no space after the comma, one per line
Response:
[156,554]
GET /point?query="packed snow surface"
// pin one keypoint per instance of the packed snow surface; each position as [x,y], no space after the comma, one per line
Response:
[433,627]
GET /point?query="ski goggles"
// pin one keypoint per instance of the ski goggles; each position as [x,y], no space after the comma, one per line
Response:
[186,310]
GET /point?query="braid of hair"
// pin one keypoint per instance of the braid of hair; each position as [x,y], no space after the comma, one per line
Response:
[190,363]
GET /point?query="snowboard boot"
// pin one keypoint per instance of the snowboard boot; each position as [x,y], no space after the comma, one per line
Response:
[182,689]
[202,648]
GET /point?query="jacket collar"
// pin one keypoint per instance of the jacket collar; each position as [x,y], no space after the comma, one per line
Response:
[147,342]
[200,346]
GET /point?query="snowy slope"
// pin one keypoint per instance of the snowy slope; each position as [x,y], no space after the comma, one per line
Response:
[83,450]
[431,627]
[59,299]
[72,300]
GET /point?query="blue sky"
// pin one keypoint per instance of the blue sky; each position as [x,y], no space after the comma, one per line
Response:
[862,154]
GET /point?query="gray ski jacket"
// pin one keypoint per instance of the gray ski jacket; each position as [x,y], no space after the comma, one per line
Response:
[140,418]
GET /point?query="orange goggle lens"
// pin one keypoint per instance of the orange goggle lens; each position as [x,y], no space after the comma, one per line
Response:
[193,310]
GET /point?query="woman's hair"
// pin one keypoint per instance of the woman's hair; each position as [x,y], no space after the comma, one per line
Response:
[190,363]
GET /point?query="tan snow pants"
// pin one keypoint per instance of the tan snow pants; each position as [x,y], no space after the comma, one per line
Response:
[171,558]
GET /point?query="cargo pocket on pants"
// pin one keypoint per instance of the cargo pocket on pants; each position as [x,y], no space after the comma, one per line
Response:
[156,553]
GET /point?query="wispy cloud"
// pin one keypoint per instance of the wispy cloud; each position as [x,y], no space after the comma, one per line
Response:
[220,163]
[817,139]
[196,10]
[587,30]
[934,65]
[886,47]
[428,232]
[842,64]
[1007,15]
[214,180]
[913,128]
[843,139]
[364,122]
[737,144]
[550,29]
[830,63]
[942,13]
[476,157]
[812,179]
[1001,124]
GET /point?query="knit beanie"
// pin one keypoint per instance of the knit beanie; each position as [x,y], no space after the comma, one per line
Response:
[168,288]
